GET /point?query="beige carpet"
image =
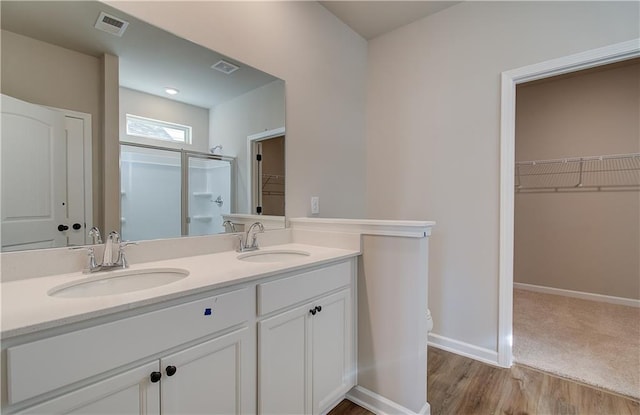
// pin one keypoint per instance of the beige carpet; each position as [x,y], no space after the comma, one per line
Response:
[592,342]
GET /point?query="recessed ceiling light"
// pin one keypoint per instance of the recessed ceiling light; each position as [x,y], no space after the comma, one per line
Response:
[171,91]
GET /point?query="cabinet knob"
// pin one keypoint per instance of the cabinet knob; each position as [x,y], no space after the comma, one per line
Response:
[76,226]
[155,377]
[313,311]
[171,370]
[318,308]
[62,228]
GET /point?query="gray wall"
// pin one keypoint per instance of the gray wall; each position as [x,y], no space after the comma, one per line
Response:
[45,74]
[586,241]
[233,121]
[433,119]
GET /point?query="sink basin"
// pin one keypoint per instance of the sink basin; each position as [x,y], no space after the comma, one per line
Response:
[273,256]
[119,282]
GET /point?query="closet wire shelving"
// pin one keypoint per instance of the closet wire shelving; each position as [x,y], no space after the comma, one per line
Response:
[272,185]
[614,172]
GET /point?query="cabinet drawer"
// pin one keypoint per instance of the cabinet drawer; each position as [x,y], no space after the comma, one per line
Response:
[284,292]
[44,365]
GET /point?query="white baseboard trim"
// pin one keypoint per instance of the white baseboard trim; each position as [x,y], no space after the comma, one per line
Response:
[464,349]
[578,294]
[380,405]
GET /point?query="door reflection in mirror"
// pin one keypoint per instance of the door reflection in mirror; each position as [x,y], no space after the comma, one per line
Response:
[46,176]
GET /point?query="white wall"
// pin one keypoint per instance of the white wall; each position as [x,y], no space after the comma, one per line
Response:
[433,135]
[233,121]
[323,63]
[164,109]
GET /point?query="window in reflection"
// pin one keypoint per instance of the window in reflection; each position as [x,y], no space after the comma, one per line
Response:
[158,130]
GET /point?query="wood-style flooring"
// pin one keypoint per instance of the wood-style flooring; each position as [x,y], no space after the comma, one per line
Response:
[457,385]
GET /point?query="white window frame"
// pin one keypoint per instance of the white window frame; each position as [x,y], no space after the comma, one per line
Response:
[186,129]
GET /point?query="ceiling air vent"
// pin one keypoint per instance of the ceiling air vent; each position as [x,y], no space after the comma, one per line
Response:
[111,24]
[225,67]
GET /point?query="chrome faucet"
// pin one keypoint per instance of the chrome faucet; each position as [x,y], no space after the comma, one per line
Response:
[113,244]
[94,234]
[107,257]
[230,224]
[250,241]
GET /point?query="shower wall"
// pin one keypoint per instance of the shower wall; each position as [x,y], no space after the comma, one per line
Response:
[209,195]
[150,192]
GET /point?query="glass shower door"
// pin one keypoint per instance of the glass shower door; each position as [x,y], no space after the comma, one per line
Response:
[150,193]
[208,195]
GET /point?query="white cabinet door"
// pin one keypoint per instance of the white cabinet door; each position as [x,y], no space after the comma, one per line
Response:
[128,393]
[214,377]
[306,357]
[284,373]
[333,372]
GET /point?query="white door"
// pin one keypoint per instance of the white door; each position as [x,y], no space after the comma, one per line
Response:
[333,372]
[128,393]
[284,369]
[213,377]
[33,176]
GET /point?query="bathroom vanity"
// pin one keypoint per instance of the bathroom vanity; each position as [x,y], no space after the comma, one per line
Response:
[188,352]
[271,332]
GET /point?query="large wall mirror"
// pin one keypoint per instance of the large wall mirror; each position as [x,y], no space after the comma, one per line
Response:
[198,136]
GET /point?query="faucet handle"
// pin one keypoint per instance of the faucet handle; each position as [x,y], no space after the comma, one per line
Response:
[127,243]
[122,259]
[240,242]
[93,265]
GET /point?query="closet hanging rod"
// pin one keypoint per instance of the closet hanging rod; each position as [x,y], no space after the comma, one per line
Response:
[579,159]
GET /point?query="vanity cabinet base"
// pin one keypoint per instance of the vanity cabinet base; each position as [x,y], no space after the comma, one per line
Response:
[306,352]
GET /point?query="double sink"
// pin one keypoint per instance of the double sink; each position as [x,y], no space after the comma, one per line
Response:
[125,281]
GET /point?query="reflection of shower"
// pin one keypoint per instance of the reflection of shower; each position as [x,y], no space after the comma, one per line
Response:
[167,193]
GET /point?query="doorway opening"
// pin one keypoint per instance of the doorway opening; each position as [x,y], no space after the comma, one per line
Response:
[509,80]
[267,173]
[577,226]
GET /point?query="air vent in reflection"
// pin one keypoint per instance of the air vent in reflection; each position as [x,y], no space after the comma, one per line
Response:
[111,24]
[225,67]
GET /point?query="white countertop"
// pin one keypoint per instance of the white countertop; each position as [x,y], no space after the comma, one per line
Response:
[27,308]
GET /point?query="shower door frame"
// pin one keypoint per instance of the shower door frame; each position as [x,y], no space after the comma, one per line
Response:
[186,154]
